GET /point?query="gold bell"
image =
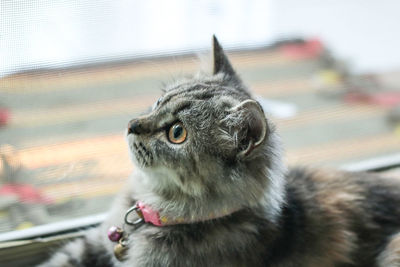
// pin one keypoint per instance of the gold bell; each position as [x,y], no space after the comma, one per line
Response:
[119,250]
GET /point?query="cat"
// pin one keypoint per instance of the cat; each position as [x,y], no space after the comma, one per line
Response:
[210,189]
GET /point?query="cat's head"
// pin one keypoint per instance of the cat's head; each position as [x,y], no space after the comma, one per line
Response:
[206,137]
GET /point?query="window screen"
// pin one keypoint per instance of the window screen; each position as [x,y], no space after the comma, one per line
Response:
[73,73]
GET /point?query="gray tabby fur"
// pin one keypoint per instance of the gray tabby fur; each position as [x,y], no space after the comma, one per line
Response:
[231,161]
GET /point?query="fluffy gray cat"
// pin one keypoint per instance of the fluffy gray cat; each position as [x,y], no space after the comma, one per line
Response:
[210,189]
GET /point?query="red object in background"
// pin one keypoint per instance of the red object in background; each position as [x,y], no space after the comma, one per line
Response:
[25,192]
[388,99]
[308,49]
[4,116]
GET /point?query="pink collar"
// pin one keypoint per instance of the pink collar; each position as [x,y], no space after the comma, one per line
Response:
[148,215]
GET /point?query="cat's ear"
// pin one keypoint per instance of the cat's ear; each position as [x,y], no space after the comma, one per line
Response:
[248,126]
[221,62]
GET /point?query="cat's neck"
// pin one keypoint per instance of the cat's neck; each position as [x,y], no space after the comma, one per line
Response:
[200,208]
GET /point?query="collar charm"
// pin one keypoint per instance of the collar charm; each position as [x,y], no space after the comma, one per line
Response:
[115,234]
[118,235]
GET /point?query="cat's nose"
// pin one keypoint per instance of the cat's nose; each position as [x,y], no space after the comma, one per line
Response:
[134,127]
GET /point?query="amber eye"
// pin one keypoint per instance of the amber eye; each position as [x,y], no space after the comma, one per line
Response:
[177,133]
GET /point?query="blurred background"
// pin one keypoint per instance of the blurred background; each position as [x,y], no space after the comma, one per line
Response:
[73,73]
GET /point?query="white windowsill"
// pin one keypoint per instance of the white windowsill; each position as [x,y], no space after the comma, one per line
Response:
[51,228]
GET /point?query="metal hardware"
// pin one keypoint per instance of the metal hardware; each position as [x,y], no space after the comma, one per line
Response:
[136,223]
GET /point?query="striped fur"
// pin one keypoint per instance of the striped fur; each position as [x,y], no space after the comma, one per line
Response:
[231,160]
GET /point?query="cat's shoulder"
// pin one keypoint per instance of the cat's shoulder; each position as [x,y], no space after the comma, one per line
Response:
[343,190]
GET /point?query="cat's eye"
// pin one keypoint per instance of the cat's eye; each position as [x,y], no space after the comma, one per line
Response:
[177,133]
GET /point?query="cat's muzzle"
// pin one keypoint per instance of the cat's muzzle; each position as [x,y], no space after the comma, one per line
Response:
[143,156]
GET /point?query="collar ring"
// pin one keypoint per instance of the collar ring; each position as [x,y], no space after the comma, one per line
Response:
[136,223]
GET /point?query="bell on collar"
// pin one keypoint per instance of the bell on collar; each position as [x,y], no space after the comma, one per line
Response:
[120,249]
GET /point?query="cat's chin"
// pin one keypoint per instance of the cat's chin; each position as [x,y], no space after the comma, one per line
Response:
[162,180]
